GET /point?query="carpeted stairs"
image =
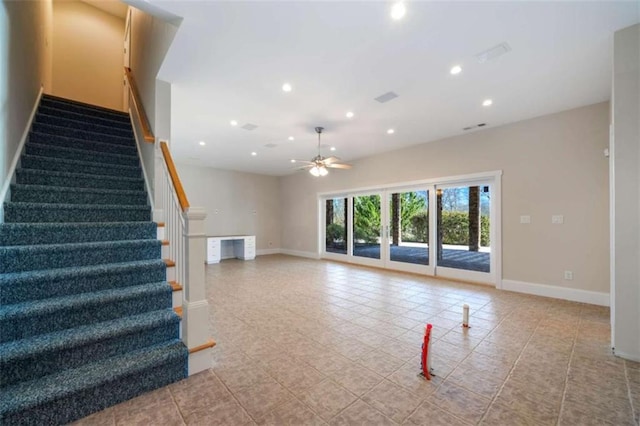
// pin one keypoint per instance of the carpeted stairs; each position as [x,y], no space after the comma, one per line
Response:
[85,309]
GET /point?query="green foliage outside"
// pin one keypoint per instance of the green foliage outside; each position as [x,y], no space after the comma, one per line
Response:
[414,220]
[455,229]
[367,218]
[335,233]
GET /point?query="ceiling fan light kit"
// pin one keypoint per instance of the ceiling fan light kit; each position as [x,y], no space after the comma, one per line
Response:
[319,166]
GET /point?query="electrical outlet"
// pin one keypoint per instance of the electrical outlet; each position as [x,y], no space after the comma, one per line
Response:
[568,275]
[525,219]
[557,219]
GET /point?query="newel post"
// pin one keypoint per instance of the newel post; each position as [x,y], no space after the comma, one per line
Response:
[195,308]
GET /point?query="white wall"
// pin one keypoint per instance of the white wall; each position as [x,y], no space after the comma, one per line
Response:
[236,203]
[551,165]
[88,54]
[25,66]
[625,188]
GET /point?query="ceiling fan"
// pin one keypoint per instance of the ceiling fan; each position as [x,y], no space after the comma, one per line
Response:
[319,165]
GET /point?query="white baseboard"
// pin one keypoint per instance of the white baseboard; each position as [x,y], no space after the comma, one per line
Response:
[573,294]
[266,252]
[307,254]
[16,158]
[630,357]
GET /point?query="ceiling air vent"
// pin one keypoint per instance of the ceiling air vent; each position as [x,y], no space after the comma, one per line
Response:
[493,53]
[249,126]
[270,145]
[386,97]
[475,126]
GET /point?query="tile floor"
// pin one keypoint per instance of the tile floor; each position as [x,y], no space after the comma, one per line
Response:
[305,342]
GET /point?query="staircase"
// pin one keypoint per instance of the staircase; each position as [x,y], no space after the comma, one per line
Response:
[86,318]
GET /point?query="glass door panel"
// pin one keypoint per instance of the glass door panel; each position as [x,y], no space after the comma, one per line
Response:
[463,221]
[408,236]
[336,225]
[367,226]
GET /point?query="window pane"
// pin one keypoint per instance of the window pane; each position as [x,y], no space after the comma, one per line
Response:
[366,226]
[336,229]
[409,227]
[463,228]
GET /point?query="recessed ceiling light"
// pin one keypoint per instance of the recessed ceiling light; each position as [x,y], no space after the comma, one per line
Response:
[390,131]
[233,122]
[349,114]
[456,69]
[254,153]
[202,143]
[333,148]
[487,102]
[291,138]
[398,10]
[287,87]
[293,161]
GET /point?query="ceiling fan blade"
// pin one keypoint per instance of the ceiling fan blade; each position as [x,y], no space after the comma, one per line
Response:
[307,167]
[331,160]
[339,166]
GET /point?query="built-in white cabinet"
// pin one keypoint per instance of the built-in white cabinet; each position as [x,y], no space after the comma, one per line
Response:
[243,246]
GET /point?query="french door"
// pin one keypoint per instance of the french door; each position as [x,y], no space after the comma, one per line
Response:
[448,229]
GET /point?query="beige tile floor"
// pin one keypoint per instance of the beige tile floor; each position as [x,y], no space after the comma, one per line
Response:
[313,342]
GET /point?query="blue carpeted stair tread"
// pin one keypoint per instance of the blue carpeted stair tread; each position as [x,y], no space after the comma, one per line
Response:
[87,155]
[111,374]
[17,234]
[67,142]
[76,166]
[34,357]
[86,317]
[23,320]
[84,109]
[81,335]
[21,287]
[104,121]
[82,134]
[67,195]
[43,212]
[44,118]
[76,180]
[51,256]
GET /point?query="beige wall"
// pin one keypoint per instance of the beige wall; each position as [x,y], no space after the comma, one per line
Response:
[150,41]
[551,165]
[87,54]
[25,66]
[626,192]
[230,200]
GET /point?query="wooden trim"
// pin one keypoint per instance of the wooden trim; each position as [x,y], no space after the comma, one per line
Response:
[178,311]
[177,185]
[160,224]
[170,263]
[165,242]
[175,286]
[137,104]
[210,343]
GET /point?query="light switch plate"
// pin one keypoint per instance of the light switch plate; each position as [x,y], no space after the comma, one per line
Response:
[557,219]
[525,219]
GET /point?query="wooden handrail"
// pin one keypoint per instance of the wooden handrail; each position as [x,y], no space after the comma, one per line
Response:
[182,197]
[137,104]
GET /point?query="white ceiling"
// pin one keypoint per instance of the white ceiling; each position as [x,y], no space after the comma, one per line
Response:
[230,59]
